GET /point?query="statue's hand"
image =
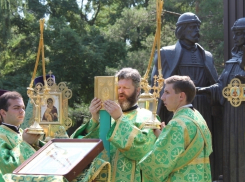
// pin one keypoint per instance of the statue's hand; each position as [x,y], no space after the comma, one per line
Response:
[203,90]
[240,77]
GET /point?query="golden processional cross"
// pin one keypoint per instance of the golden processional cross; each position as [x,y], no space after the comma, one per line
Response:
[234,92]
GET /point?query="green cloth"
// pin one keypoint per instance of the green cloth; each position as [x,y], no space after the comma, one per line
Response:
[181,152]
[13,150]
[98,171]
[129,143]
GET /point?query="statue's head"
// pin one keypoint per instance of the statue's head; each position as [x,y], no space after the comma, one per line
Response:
[187,27]
[188,17]
[239,32]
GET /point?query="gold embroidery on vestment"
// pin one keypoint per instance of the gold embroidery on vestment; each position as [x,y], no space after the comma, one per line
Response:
[116,128]
[115,165]
[200,161]
[106,164]
[186,134]
[130,139]
[133,172]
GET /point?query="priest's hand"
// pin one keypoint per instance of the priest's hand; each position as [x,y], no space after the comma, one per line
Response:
[157,132]
[95,107]
[30,138]
[113,109]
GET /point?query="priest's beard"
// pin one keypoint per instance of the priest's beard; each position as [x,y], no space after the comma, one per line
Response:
[129,102]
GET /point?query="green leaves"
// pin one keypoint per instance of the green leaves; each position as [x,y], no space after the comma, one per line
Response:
[97,38]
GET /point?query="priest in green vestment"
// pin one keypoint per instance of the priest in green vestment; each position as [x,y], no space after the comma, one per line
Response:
[129,141]
[181,152]
[15,144]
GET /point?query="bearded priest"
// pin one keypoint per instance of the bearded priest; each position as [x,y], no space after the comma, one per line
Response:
[129,141]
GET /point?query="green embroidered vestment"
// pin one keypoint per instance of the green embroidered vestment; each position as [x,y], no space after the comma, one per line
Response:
[181,152]
[13,150]
[129,143]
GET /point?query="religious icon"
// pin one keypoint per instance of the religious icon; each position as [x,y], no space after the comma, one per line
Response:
[50,111]
[235,92]
[53,110]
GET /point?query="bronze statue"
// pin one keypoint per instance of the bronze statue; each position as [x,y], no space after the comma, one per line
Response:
[187,57]
[233,117]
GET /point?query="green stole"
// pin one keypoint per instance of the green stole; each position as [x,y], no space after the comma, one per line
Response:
[105,125]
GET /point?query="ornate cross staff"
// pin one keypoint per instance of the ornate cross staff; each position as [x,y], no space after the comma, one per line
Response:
[54,119]
[149,100]
[36,98]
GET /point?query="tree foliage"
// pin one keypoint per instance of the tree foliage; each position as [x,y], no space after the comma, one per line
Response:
[74,50]
[84,39]
[212,39]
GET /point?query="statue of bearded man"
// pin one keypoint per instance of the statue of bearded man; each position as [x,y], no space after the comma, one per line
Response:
[188,58]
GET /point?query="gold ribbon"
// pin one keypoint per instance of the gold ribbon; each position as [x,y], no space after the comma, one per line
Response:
[40,49]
